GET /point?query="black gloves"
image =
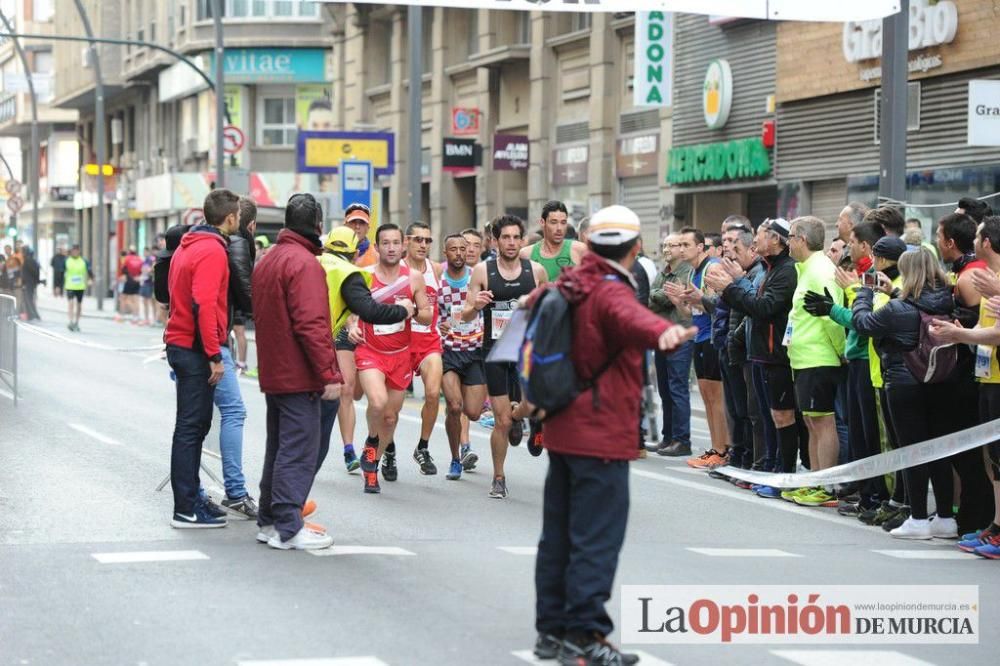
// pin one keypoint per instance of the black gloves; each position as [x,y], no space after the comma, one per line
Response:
[817,305]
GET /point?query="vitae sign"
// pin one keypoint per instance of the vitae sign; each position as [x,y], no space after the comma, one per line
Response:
[654,34]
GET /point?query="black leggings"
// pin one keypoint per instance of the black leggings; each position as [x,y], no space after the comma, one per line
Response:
[863,424]
[914,410]
[898,486]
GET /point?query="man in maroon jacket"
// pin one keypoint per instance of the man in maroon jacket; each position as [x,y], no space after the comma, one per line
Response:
[298,368]
[586,490]
[198,284]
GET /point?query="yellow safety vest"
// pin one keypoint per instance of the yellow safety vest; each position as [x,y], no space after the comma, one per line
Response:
[338,270]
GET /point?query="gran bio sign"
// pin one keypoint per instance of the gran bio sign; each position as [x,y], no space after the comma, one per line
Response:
[654,36]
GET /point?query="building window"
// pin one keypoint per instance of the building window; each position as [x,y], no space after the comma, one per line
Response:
[43,10]
[523,27]
[276,119]
[580,21]
[260,9]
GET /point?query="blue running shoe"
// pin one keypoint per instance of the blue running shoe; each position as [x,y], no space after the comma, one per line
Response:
[199,519]
[990,548]
[970,544]
[454,471]
[486,421]
[351,461]
[769,492]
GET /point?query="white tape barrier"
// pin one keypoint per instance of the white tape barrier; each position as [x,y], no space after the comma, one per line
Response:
[84,343]
[877,465]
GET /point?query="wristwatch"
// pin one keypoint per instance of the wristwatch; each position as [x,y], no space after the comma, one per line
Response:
[215,358]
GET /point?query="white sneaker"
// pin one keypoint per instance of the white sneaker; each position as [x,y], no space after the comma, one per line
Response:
[944,528]
[306,539]
[913,528]
[265,533]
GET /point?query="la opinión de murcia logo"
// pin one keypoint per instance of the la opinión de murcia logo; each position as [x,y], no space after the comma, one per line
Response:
[819,614]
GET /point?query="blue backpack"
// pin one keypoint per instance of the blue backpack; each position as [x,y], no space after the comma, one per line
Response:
[545,365]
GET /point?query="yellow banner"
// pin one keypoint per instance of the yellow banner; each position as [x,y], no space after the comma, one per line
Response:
[331,152]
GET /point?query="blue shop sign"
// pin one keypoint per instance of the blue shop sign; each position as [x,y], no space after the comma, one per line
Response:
[272,65]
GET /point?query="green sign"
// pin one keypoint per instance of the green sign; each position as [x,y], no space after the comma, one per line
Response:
[739,159]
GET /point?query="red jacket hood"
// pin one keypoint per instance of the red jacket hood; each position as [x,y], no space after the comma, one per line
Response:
[289,236]
[203,233]
[576,283]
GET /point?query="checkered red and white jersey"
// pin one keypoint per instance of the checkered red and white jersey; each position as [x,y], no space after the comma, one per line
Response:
[463,336]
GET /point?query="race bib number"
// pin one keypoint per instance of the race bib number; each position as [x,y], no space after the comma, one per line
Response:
[389,329]
[419,328]
[696,311]
[500,319]
[457,325]
[75,281]
[984,354]
[785,341]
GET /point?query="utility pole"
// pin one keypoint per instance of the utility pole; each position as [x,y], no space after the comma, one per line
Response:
[892,130]
[415,37]
[101,258]
[33,165]
[220,96]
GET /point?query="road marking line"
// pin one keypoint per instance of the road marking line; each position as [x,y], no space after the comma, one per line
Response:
[9,395]
[743,552]
[320,661]
[93,433]
[928,554]
[747,496]
[155,357]
[360,550]
[519,550]
[838,657]
[645,658]
[149,556]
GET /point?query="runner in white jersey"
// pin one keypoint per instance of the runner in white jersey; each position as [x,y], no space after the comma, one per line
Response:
[425,341]
[464,373]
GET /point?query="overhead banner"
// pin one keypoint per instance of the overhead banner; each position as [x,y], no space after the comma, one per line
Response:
[784,10]
[654,55]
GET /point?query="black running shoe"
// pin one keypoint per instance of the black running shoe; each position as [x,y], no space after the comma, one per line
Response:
[369,459]
[535,441]
[423,458]
[547,646]
[212,509]
[371,482]
[902,513]
[598,652]
[846,508]
[516,433]
[242,507]
[389,470]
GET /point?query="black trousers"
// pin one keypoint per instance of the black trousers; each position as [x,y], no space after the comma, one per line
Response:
[192,422]
[289,461]
[960,409]
[756,421]
[734,389]
[583,528]
[862,421]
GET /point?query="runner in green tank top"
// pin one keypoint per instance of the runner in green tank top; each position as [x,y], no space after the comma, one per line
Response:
[554,252]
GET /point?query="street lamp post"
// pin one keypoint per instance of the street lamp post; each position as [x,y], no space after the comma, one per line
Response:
[33,165]
[99,130]
[220,96]
[415,37]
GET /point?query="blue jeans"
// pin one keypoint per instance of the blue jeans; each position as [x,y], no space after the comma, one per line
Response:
[191,425]
[230,403]
[673,374]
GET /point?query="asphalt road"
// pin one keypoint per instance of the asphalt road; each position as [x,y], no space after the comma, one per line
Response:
[429,572]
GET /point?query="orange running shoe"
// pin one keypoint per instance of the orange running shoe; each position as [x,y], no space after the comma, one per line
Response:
[309,508]
[708,460]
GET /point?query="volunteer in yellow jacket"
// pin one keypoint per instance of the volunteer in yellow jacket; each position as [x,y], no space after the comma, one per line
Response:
[815,352]
[348,288]
[985,337]
[555,252]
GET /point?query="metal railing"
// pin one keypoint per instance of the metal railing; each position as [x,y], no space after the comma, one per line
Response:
[8,343]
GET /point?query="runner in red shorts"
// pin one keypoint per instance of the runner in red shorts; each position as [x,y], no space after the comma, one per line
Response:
[383,354]
[425,341]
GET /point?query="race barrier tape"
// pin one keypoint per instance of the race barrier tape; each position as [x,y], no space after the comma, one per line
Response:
[877,465]
[83,343]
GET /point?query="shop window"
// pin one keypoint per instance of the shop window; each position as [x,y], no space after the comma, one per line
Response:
[276,120]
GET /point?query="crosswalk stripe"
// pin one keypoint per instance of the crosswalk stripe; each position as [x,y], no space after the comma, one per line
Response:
[645,658]
[743,552]
[838,657]
[928,554]
[320,661]
[360,550]
[149,556]
[94,434]
[519,550]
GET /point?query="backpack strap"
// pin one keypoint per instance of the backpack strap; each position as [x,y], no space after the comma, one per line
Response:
[591,383]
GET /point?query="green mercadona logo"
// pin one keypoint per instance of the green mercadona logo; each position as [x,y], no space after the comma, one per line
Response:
[739,159]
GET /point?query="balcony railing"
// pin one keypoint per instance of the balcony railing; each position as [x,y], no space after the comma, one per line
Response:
[8,107]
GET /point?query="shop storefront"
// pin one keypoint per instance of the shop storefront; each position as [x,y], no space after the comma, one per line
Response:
[829,103]
[721,160]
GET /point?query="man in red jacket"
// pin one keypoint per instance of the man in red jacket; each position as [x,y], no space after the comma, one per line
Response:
[586,490]
[198,284]
[298,368]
